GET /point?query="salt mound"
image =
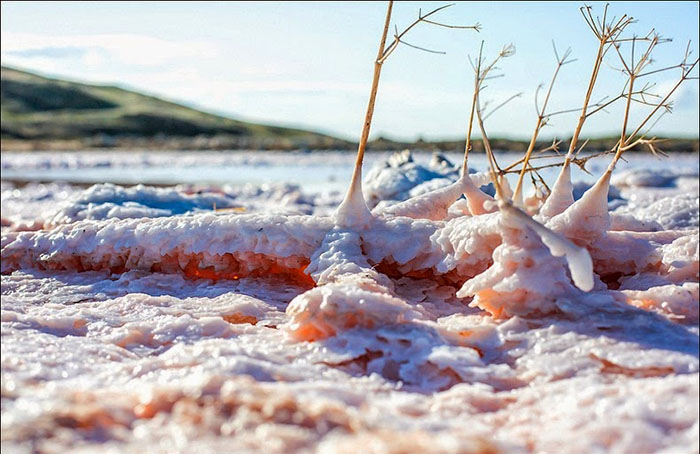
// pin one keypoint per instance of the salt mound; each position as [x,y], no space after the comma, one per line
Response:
[652,178]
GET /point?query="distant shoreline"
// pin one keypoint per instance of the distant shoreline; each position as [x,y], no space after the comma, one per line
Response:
[228,143]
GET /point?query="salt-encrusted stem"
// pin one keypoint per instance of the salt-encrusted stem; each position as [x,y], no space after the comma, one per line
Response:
[489,152]
[597,196]
[476,198]
[561,195]
[353,209]
[518,193]
[434,205]
[578,258]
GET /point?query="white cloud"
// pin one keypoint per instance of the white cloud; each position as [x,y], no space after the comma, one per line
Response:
[93,50]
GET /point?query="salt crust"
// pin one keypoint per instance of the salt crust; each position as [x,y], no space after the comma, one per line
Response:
[396,348]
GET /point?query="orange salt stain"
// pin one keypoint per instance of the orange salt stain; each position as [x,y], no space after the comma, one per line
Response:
[85,418]
[234,271]
[233,268]
[351,320]
[642,303]
[608,367]
[311,333]
[145,411]
[486,302]
[238,318]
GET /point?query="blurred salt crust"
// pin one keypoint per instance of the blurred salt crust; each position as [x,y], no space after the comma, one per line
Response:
[73,184]
[317,171]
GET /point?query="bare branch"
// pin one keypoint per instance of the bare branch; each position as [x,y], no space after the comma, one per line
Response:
[476,27]
[398,37]
[517,95]
[422,48]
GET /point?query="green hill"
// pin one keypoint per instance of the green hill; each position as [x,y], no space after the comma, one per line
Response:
[36,108]
[41,113]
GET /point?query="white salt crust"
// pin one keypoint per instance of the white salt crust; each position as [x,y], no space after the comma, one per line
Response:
[418,321]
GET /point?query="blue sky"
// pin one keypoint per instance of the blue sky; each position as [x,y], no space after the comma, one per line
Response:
[310,64]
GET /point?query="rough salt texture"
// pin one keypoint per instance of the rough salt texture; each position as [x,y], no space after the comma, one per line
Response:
[157,335]
[182,365]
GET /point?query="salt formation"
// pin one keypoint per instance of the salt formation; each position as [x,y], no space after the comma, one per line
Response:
[350,294]
[219,325]
[526,276]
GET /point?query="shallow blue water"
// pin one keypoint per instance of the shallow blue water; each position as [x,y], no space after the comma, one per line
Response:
[316,171]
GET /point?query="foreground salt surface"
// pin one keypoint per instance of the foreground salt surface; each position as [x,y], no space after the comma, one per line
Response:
[139,360]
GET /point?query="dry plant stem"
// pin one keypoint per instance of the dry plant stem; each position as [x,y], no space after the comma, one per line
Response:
[663,102]
[634,72]
[594,201]
[476,199]
[580,162]
[518,194]
[620,146]
[602,186]
[554,147]
[624,143]
[489,152]
[586,101]
[561,195]
[421,18]
[468,144]
[353,209]
[604,40]
[355,190]
[480,77]
[357,173]
[563,181]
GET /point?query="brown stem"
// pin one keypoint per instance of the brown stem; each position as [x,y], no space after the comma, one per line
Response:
[489,153]
[517,194]
[666,98]
[526,160]
[587,99]
[621,143]
[468,144]
[357,172]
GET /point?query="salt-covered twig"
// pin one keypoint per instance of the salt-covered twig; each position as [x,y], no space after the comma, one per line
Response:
[588,218]
[561,196]
[482,75]
[353,209]
[578,258]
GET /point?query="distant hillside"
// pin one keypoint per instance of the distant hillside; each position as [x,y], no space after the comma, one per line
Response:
[41,109]
[40,113]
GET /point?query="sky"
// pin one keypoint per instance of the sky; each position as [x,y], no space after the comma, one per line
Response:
[309,64]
